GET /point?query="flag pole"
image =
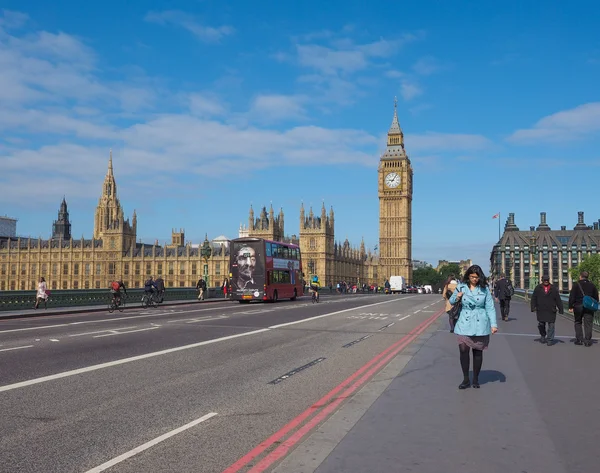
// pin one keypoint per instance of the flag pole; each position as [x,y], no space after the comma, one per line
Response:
[499,236]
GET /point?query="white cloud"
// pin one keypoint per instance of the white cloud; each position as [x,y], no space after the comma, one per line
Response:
[410,89]
[39,121]
[205,33]
[330,61]
[346,56]
[426,66]
[12,19]
[205,105]
[572,124]
[278,107]
[393,74]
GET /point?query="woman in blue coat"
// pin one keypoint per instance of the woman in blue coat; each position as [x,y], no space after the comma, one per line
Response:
[476,322]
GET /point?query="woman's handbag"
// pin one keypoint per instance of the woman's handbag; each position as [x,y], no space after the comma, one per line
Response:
[454,311]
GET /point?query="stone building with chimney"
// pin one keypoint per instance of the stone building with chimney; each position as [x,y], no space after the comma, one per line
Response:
[526,255]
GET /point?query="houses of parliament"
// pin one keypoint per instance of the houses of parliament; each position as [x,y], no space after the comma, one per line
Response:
[113,251]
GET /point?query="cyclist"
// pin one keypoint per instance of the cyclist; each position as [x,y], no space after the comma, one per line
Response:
[150,289]
[115,289]
[315,286]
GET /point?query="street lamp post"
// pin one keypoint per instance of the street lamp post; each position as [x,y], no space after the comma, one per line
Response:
[533,250]
[206,252]
[311,270]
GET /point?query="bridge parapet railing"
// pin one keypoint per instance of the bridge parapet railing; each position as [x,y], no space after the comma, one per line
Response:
[526,294]
[19,300]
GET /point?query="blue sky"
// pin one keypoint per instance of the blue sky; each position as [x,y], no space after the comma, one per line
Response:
[210,106]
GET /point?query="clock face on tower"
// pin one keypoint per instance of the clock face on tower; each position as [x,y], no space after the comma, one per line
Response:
[392,180]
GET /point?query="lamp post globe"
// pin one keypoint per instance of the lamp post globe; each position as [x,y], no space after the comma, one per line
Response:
[206,252]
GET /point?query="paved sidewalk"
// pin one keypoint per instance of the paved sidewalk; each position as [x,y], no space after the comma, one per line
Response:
[537,410]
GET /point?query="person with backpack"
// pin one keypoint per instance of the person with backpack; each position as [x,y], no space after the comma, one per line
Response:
[503,291]
[115,289]
[581,304]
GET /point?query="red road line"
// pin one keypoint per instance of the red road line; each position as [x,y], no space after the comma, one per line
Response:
[260,448]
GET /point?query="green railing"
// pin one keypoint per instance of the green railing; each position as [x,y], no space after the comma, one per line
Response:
[19,300]
[526,294]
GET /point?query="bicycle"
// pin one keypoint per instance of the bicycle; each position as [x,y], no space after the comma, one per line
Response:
[113,305]
[315,297]
[149,300]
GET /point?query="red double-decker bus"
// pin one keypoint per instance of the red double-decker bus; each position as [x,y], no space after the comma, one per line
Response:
[264,270]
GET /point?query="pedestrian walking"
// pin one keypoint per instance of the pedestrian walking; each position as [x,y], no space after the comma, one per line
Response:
[583,315]
[201,287]
[503,291]
[545,302]
[225,287]
[447,292]
[42,294]
[477,320]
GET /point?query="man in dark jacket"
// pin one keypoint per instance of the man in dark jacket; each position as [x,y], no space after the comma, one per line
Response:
[503,291]
[581,314]
[160,287]
[545,301]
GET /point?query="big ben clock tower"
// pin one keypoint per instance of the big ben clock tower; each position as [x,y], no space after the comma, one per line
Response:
[395,206]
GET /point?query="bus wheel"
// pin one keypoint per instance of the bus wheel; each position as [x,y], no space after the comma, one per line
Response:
[274,296]
[295,295]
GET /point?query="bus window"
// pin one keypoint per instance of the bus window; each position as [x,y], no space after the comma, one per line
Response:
[286,252]
[268,248]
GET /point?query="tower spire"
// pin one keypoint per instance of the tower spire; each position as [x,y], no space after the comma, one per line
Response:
[395,135]
[110,166]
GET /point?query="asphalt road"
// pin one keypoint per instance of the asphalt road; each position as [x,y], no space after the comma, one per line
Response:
[189,388]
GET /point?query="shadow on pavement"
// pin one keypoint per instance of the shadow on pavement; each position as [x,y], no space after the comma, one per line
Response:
[491,376]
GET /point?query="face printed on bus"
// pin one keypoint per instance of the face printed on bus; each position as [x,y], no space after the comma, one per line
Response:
[246,260]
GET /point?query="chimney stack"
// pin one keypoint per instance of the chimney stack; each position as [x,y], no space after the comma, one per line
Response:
[580,222]
[543,224]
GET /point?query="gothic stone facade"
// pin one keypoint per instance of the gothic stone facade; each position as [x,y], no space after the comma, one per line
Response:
[68,263]
[332,261]
[526,255]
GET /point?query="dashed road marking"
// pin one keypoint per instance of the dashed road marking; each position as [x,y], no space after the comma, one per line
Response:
[149,444]
[16,348]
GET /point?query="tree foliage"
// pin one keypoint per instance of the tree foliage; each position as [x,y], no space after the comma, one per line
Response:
[449,269]
[591,264]
[422,276]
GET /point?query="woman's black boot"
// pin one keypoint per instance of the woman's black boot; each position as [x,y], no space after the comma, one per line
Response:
[465,384]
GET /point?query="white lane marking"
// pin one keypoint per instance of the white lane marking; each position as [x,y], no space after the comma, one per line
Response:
[54,340]
[417,311]
[295,306]
[16,348]
[405,317]
[87,369]
[333,313]
[193,321]
[100,331]
[109,320]
[149,444]
[114,332]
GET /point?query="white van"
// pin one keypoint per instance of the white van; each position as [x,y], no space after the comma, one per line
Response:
[397,284]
